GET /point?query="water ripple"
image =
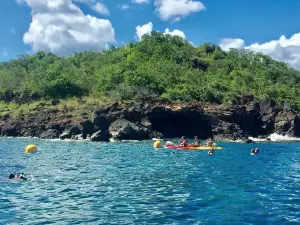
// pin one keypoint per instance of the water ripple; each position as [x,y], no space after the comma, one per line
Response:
[131,183]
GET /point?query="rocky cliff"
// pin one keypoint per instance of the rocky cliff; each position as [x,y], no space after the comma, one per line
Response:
[144,120]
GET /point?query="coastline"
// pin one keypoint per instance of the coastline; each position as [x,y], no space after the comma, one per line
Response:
[247,120]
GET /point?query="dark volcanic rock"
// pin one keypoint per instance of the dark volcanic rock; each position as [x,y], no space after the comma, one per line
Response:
[100,136]
[158,119]
[71,131]
[87,127]
[50,134]
[100,122]
[178,122]
[287,123]
[225,130]
[9,130]
[267,106]
[124,130]
[249,141]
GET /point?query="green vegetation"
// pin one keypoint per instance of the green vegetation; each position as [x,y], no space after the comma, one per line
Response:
[160,66]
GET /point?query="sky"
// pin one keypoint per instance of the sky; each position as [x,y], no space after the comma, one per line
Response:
[67,26]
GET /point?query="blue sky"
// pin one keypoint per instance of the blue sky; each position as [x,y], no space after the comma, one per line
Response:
[63,26]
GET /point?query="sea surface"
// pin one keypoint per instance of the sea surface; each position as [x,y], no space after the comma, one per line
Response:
[133,183]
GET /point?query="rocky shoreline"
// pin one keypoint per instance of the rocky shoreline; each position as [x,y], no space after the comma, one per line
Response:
[158,119]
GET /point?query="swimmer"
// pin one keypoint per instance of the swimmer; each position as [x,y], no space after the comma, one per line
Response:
[19,176]
[211,151]
[254,151]
[22,177]
[11,176]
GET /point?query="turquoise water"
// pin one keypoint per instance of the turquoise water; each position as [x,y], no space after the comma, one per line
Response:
[132,183]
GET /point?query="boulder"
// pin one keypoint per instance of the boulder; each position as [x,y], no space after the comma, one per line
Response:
[9,130]
[146,123]
[78,137]
[69,132]
[122,129]
[50,134]
[101,135]
[87,127]
[225,130]
[249,141]
[287,123]
[100,123]
[267,106]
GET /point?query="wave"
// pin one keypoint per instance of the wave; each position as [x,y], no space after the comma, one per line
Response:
[276,138]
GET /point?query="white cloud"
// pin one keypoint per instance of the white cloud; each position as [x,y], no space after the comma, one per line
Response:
[144,29]
[124,6]
[100,8]
[228,43]
[284,49]
[177,9]
[95,6]
[59,26]
[175,32]
[140,1]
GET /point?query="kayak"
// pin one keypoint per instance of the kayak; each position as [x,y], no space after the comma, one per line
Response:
[193,148]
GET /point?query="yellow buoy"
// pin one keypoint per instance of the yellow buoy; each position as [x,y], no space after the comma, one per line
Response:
[30,149]
[157,144]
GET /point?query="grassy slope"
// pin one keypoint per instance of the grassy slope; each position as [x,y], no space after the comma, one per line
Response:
[160,66]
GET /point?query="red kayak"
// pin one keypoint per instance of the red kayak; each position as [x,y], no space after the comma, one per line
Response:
[193,148]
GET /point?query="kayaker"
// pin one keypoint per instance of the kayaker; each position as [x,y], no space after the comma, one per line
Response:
[196,143]
[183,142]
[209,142]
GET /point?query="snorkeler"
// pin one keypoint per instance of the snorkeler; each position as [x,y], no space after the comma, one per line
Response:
[19,176]
[22,177]
[254,151]
[211,151]
[11,176]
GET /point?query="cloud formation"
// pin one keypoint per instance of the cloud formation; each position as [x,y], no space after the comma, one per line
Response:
[175,33]
[124,6]
[140,1]
[100,8]
[61,27]
[177,9]
[144,29]
[227,43]
[284,49]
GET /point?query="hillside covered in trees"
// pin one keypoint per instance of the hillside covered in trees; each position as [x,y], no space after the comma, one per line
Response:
[160,65]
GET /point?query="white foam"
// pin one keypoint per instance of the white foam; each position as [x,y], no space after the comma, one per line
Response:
[276,138]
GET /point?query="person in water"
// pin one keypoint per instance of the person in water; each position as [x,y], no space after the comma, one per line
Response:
[183,142]
[211,151]
[11,176]
[19,176]
[22,177]
[254,151]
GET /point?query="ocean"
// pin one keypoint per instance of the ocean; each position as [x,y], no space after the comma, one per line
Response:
[132,183]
